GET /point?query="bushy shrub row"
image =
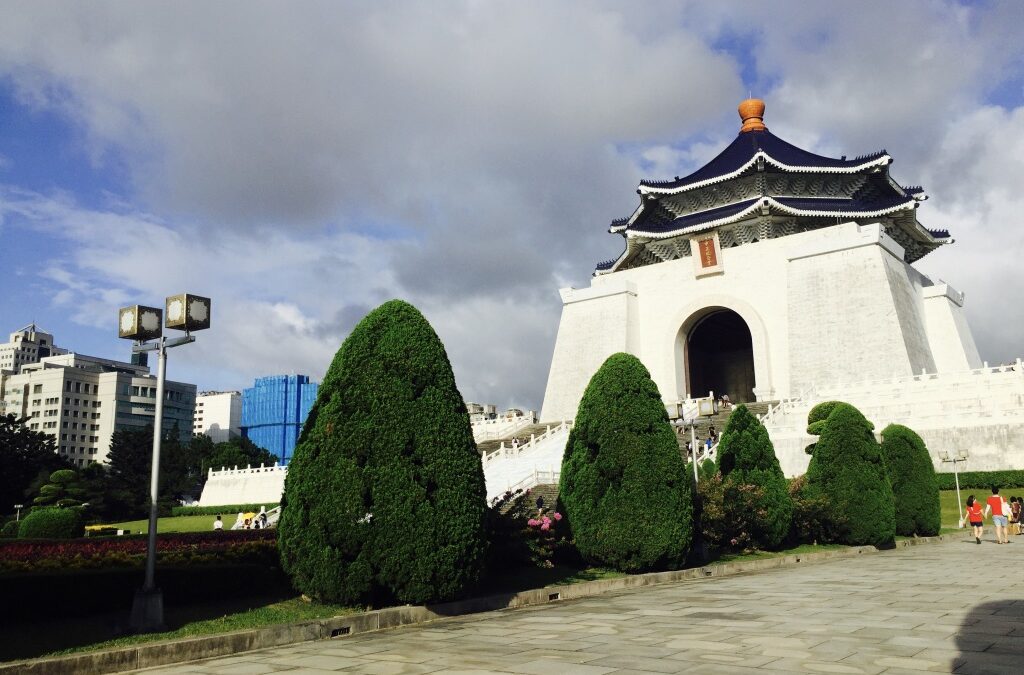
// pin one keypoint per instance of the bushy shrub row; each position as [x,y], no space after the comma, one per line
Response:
[188,548]
[228,510]
[52,523]
[982,480]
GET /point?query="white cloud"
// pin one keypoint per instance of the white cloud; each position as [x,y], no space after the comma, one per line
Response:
[306,163]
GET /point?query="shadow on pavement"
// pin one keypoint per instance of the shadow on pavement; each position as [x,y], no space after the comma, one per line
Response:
[991,639]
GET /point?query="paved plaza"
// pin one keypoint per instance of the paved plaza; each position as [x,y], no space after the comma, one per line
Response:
[953,606]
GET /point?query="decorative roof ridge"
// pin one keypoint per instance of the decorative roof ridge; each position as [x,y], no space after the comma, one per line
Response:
[758,202]
[870,161]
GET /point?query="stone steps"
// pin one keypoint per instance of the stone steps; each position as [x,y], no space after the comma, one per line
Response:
[718,420]
[523,435]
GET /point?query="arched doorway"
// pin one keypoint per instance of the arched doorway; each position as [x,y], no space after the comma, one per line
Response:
[720,357]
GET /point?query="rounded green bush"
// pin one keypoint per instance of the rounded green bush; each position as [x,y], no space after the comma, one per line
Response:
[623,481]
[746,458]
[817,416]
[847,469]
[385,496]
[914,484]
[9,530]
[52,523]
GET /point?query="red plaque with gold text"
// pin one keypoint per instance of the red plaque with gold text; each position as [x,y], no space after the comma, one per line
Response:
[707,253]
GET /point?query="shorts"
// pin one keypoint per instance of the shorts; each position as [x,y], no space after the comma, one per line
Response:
[999,521]
[976,523]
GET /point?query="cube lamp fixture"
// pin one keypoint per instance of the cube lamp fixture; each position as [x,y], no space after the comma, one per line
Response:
[185,312]
[138,322]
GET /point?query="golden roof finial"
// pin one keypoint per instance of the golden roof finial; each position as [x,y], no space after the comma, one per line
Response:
[752,113]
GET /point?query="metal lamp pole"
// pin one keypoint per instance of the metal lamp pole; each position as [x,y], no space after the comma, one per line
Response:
[17,515]
[184,312]
[946,459]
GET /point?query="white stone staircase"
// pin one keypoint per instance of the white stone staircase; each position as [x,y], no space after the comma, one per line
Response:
[535,462]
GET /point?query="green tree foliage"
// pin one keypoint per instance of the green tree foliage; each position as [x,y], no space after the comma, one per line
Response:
[848,471]
[914,484]
[756,492]
[385,495]
[816,419]
[623,482]
[52,523]
[25,457]
[64,489]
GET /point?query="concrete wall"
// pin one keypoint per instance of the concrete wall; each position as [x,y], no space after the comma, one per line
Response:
[260,485]
[828,306]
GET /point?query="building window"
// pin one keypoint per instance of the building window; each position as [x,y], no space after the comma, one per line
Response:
[37,389]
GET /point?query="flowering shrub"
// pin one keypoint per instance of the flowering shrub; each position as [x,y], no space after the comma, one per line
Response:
[815,521]
[523,534]
[714,526]
[543,538]
[188,549]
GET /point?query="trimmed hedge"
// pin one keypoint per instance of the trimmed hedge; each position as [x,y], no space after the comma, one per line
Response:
[9,530]
[757,500]
[623,482]
[52,523]
[914,485]
[982,480]
[385,497]
[22,556]
[847,469]
[228,510]
[817,416]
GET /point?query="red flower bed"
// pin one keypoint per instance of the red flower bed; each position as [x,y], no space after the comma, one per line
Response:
[191,548]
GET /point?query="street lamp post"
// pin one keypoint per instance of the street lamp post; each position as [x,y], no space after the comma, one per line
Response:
[17,512]
[946,459]
[141,324]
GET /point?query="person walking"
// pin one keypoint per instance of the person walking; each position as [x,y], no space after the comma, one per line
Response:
[997,507]
[1014,516]
[218,525]
[975,518]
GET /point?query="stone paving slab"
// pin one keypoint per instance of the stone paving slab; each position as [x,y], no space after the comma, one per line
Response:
[911,610]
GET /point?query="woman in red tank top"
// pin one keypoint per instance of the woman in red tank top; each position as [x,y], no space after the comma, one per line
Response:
[974,517]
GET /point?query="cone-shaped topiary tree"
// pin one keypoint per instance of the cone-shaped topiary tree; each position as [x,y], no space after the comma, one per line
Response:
[847,469]
[623,482]
[914,484]
[385,496]
[749,467]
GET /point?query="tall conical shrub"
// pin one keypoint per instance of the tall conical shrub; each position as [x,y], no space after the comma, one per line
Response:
[756,493]
[623,482]
[914,484]
[847,469]
[385,496]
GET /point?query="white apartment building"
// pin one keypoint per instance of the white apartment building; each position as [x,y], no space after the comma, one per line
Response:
[27,345]
[218,415]
[82,400]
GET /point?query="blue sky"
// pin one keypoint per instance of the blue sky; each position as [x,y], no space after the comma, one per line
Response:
[302,165]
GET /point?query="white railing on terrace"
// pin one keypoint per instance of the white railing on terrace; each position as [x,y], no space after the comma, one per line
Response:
[487,430]
[273,515]
[787,404]
[536,478]
[535,439]
[685,409]
[936,396]
[250,469]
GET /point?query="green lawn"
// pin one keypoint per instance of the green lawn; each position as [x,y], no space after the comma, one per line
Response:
[171,524]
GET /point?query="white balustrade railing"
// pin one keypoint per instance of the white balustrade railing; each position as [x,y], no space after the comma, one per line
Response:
[538,477]
[517,450]
[250,469]
[486,430]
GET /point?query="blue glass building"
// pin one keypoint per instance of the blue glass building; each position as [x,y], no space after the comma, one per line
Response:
[274,410]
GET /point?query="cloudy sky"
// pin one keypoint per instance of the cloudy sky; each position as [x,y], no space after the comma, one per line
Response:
[303,162]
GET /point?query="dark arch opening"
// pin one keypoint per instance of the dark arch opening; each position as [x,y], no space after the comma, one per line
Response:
[720,357]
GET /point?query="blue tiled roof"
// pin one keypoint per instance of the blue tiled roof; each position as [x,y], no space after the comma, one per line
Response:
[747,144]
[847,207]
[606,265]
